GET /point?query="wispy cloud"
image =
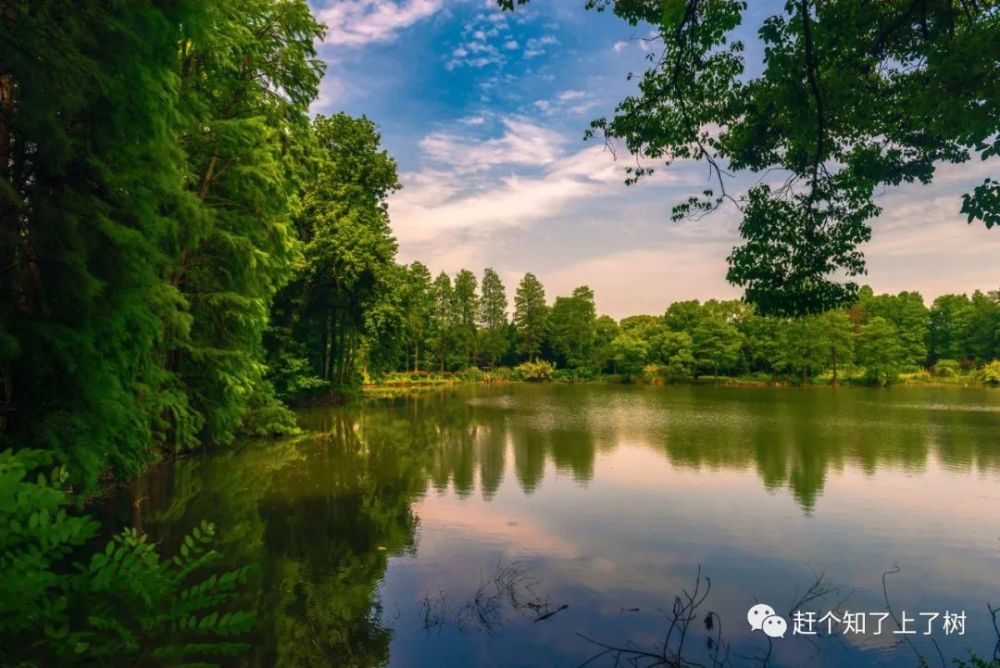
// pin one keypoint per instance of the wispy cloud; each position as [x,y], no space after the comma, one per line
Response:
[522,143]
[355,23]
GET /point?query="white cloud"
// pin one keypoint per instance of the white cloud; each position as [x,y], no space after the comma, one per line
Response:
[510,44]
[568,95]
[535,46]
[619,46]
[360,22]
[523,143]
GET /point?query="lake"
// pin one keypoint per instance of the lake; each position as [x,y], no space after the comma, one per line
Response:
[533,525]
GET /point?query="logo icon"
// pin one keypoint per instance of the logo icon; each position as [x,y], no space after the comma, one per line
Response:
[763,618]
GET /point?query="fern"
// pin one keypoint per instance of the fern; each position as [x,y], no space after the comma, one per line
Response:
[125,603]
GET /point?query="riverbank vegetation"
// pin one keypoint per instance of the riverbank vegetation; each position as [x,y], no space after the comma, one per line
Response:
[879,340]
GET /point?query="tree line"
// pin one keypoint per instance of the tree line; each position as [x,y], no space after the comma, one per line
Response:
[451,326]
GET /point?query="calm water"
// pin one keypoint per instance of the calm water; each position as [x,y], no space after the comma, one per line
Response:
[437,531]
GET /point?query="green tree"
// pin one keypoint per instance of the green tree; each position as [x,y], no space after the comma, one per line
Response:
[531,315]
[677,352]
[342,307]
[837,334]
[850,97]
[948,320]
[493,317]
[466,305]
[605,331]
[880,351]
[802,349]
[418,309]
[911,318]
[90,195]
[716,344]
[443,319]
[247,74]
[572,327]
[684,316]
[629,353]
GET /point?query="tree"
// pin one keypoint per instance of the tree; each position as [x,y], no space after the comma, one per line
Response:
[530,316]
[880,351]
[716,344]
[837,335]
[443,319]
[418,307]
[247,74]
[677,352]
[629,353]
[466,311]
[493,317]
[911,318]
[684,316]
[342,307]
[850,97]
[605,331]
[572,327]
[802,348]
[948,318]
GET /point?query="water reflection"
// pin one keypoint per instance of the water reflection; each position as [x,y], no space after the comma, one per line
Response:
[326,513]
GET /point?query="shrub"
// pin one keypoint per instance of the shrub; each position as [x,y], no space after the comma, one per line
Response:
[947,368]
[470,375]
[991,373]
[654,374]
[538,371]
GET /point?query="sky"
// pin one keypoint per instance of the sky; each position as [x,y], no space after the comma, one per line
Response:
[485,112]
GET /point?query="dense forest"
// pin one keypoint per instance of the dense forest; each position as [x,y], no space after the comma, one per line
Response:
[186,252]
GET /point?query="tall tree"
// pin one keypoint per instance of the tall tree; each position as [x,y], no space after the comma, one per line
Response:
[443,319]
[341,305]
[247,74]
[530,316]
[466,311]
[90,204]
[493,317]
[572,327]
[418,308]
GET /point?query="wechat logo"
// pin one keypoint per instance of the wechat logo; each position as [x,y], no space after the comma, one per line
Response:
[762,618]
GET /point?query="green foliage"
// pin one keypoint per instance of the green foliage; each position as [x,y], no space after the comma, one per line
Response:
[493,342]
[571,323]
[123,603]
[537,371]
[531,316]
[947,368]
[716,344]
[630,354]
[880,351]
[991,373]
[346,305]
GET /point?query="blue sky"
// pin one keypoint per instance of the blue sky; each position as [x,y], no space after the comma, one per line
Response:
[485,112]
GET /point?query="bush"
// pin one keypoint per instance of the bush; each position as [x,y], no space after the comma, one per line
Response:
[534,372]
[947,368]
[501,374]
[991,373]
[125,605]
[470,375]
[654,374]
